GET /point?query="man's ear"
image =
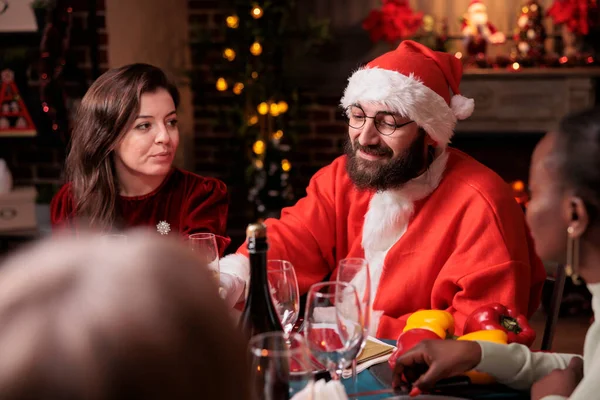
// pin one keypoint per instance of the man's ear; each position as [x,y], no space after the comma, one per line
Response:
[576,215]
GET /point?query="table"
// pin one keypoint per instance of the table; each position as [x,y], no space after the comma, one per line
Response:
[368,382]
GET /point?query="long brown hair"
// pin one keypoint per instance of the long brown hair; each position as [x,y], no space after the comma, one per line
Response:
[105,319]
[106,113]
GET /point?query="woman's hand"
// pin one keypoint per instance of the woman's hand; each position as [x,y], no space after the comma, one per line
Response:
[561,382]
[432,360]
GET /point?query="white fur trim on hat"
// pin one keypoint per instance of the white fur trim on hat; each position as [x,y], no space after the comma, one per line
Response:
[405,95]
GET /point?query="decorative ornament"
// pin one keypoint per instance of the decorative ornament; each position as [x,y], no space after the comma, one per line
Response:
[478,31]
[14,116]
[530,35]
[395,21]
[163,227]
[573,19]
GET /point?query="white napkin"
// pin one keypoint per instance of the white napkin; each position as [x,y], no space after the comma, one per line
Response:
[5,178]
[321,390]
[347,373]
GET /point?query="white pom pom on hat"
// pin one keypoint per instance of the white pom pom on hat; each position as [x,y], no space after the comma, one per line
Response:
[415,82]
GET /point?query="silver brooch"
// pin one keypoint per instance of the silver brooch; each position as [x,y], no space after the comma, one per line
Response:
[163,227]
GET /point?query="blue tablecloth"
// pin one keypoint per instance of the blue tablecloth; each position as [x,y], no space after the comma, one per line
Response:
[366,382]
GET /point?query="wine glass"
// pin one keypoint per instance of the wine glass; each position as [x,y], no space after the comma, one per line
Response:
[205,245]
[356,272]
[283,286]
[334,325]
[281,366]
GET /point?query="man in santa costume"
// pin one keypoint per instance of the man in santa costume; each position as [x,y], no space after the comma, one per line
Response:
[439,229]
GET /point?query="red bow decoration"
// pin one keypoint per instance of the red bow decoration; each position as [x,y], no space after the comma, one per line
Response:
[395,21]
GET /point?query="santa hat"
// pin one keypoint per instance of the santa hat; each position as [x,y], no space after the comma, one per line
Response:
[476,5]
[414,81]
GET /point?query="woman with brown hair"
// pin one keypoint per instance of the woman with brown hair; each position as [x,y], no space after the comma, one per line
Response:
[119,168]
[101,319]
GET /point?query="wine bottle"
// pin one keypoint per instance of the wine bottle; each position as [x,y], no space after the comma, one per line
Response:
[259,313]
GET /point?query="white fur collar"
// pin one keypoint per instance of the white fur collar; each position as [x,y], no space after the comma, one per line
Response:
[387,220]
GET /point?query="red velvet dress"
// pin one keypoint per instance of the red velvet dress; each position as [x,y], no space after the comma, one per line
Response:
[187,202]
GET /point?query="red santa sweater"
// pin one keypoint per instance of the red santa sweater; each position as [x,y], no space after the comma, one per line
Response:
[452,239]
[187,202]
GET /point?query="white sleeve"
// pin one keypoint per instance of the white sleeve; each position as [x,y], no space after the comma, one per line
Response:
[234,277]
[237,265]
[516,366]
[589,387]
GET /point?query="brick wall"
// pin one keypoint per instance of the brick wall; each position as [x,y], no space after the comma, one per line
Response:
[39,160]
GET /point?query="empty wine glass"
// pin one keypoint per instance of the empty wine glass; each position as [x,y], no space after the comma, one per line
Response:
[283,286]
[356,272]
[334,325]
[205,245]
[281,366]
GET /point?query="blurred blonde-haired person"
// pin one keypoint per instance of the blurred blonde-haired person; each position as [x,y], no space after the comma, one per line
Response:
[99,318]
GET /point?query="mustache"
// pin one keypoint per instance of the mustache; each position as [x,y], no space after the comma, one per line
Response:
[374,149]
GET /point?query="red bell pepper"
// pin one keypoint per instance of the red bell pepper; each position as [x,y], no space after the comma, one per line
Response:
[498,316]
[409,339]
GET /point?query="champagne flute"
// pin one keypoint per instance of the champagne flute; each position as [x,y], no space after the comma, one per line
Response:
[283,286]
[356,272]
[334,325]
[205,245]
[281,366]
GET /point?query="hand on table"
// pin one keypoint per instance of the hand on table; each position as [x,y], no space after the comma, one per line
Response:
[231,288]
[560,382]
[432,360]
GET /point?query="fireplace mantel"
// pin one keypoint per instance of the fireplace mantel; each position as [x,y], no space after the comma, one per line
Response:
[531,100]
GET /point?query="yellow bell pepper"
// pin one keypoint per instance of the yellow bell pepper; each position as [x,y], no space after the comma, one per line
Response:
[438,321]
[491,335]
[494,336]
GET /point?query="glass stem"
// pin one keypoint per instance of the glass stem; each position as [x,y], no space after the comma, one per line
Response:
[354,376]
[335,372]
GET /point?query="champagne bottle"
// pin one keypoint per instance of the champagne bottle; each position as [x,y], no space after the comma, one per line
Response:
[259,313]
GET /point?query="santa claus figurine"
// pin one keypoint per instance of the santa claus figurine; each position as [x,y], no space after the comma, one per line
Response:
[477,29]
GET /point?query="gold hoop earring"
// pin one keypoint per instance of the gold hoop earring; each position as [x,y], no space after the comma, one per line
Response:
[572,267]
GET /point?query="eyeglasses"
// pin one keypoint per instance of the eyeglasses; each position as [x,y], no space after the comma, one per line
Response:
[385,122]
